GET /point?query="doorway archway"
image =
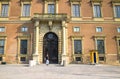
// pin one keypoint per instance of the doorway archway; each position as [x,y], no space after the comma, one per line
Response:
[50,47]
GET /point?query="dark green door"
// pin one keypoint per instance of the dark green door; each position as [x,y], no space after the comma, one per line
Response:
[50,47]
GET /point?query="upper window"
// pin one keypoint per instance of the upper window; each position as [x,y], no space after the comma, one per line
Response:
[51,8]
[4,10]
[97,11]
[2,42]
[26,10]
[76,29]
[117,11]
[24,29]
[98,29]
[76,10]
[2,29]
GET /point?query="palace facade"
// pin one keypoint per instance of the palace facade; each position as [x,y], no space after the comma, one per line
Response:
[63,30]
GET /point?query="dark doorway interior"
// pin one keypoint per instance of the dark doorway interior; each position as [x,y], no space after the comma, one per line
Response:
[50,47]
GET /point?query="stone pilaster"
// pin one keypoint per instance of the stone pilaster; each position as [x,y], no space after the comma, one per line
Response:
[36,37]
[64,60]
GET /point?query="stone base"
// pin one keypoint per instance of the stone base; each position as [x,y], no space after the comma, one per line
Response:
[36,58]
[64,60]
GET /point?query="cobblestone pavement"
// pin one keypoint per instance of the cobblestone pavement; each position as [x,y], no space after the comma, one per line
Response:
[55,71]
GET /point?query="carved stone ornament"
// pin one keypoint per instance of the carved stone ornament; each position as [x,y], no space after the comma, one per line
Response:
[50,25]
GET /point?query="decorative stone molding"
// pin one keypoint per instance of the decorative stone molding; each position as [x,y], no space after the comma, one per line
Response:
[50,23]
[50,17]
[99,36]
[96,1]
[23,35]
[25,0]
[4,0]
[81,37]
[75,0]
[115,1]
[50,0]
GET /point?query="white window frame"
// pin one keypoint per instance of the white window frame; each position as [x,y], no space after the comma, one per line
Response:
[114,5]
[4,10]
[51,2]
[78,8]
[24,29]
[51,8]
[99,29]
[24,14]
[118,29]
[94,15]
[2,29]
[76,29]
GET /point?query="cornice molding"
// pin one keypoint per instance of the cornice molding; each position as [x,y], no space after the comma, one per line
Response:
[115,1]
[75,0]
[50,0]
[16,21]
[98,1]
[5,0]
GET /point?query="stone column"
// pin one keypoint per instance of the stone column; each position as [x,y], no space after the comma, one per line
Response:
[36,37]
[64,61]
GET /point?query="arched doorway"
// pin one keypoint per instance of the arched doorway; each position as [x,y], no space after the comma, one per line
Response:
[50,47]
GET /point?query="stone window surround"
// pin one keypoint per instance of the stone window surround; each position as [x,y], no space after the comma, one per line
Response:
[3,37]
[51,2]
[118,29]
[4,29]
[4,2]
[117,40]
[25,29]
[76,18]
[100,37]
[114,4]
[23,37]
[97,18]
[99,27]
[77,55]
[76,28]
[22,4]
[118,47]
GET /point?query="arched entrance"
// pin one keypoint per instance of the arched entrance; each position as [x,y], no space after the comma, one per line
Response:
[50,47]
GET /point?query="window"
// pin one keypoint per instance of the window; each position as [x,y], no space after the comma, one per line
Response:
[101,58]
[22,58]
[4,11]
[23,47]
[75,10]
[26,10]
[77,47]
[0,58]
[117,11]
[118,29]
[24,29]
[100,46]
[98,29]
[2,29]
[76,29]
[2,42]
[97,11]
[51,8]
[78,59]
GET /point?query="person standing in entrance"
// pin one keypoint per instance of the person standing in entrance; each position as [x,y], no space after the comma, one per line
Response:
[47,60]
